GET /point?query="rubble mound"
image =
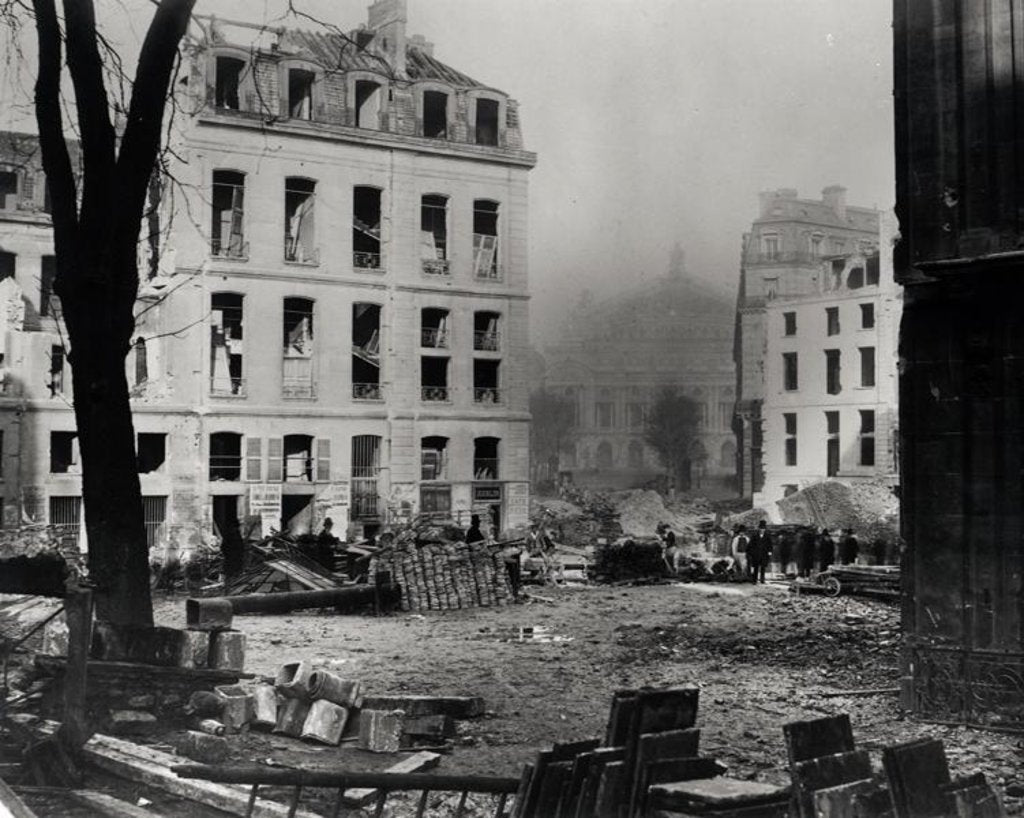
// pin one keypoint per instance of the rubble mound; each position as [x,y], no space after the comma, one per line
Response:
[629,559]
[641,510]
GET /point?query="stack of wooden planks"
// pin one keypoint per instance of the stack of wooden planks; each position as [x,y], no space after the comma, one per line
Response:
[444,576]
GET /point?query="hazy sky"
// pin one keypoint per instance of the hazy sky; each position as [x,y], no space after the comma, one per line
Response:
[654,121]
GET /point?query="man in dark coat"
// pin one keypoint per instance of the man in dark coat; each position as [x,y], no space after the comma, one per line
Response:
[826,550]
[759,552]
[787,545]
[474,534]
[806,557]
[848,548]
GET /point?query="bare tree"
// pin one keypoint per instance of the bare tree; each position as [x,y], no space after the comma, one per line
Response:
[552,420]
[96,233]
[671,430]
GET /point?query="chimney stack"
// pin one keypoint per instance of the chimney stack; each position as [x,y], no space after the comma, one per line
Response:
[835,197]
[387,18]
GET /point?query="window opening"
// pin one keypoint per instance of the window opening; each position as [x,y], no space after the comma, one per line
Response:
[8,264]
[227,237]
[485,458]
[48,275]
[434,328]
[770,246]
[604,414]
[297,374]
[867,437]
[867,316]
[486,122]
[435,114]
[434,234]
[789,420]
[789,323]
[486,334]
[790,373]
[816,242]
[832,443]
[226,345]
[486,381]
[366,352]
[434,458]
[141,361]
[8,190]
[150,451]
[856,279]
[832,320]
[300,93]
[873,264]
[867,366]
[225,456]
[436,500]
[366,228]
[832,368]
[365,476]
[434,378]
[368,104]
[57,361]
[228,82]
[300,220]
[298,458]
[66,517]
[154,517]
[485,239]
[64,455]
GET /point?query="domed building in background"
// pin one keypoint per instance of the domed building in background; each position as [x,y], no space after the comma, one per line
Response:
[614,358]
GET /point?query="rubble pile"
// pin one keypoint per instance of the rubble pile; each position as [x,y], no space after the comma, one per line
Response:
[437,574]
[629,559]
[641,510]
[582,518]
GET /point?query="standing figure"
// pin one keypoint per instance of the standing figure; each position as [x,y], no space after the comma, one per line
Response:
[849,548]
[512,556]
[826,550]
[325,542]
[759,551]
[787,544]
[738,550]
[806,557]
[474,534]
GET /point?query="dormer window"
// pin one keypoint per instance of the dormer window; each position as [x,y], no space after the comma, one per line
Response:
[368,104]
[486,121]
[300,93]
[8,190]
[435,114]
[228,83]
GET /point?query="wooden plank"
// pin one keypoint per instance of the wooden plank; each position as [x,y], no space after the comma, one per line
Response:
[11,805]
[108,805]
[918,775]
[653,747]
[74,731]
[145,765]
[458,707]
[818,737]
[412,764]
[825,772]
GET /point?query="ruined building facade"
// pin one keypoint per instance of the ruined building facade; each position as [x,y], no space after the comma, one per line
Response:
[783,259]
[616,355]
[336,314]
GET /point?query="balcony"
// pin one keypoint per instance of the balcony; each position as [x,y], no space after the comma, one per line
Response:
[437,267]
[434,338]
[365,500]
[227,387]
[485,468]
[299,255]
[486,394]
[230,249]
[366,261]
[367,392]
[486,341]
[435,394]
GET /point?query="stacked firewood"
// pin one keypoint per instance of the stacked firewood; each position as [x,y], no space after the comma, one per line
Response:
[440,576]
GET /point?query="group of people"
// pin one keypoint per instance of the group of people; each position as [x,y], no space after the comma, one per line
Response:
[809,552]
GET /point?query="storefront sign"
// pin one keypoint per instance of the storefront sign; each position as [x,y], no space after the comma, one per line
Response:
[487,494]
[265,503]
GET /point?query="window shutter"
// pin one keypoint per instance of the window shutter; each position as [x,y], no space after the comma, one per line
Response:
[254,459]
[323,460]
[275,460]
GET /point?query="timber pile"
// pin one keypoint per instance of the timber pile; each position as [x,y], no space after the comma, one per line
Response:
[868,580]
[443,575]
[630,559]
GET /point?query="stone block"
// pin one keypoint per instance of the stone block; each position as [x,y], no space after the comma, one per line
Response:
[238,706]
[208,614]
[325,722]
[439,727]
[203,747]
[194,649]
[291,717]
[380,731]
[293,678]
[324,685]
[227,650]
[264,698]
[132,722]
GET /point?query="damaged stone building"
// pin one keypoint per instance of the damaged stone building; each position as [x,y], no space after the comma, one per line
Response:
[830,374]
[616,355]
[787,255]
[335,319]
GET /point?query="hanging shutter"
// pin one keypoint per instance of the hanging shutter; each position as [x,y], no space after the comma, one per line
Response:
[254,459]
[323,460]
[275,460]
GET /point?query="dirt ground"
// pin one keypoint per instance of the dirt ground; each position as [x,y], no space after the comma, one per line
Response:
[761,656]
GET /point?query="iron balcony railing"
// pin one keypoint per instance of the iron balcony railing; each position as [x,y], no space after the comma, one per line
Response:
[435,394]
[365,500]
[437,266]
[229,248]
[297,254]
[486,341]
[486,394]
[367,391]
[366,261]
[434,338]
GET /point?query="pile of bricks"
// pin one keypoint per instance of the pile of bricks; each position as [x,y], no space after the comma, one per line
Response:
[441,576]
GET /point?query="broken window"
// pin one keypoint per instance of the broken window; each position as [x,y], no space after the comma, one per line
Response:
[434,378]
[486,121]
[141,361]
[300,220]
[486,381]
[227,236]
[8,190]
[226,344]
[789,323]
[365,477]
[57,361]
[366,352]
[790,372]
[485,239]
[366,228]
[64,456]
[368,104]
[435,114]
[789,421]
[154,515]
[8,264]
[434,458]
[867,366]
[485,458]
[832,444]
[832,320]
[867,437]
[297,374]
[434,234]
[225,456]
[871,279]
[228,83]
[298,458]
[300,93]
[856,279]
[150,451]
[832,366]
[486,334]
[867,316]
[47,275]
[434,328]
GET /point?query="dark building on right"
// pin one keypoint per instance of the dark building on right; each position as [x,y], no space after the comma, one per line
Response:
[959,96]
